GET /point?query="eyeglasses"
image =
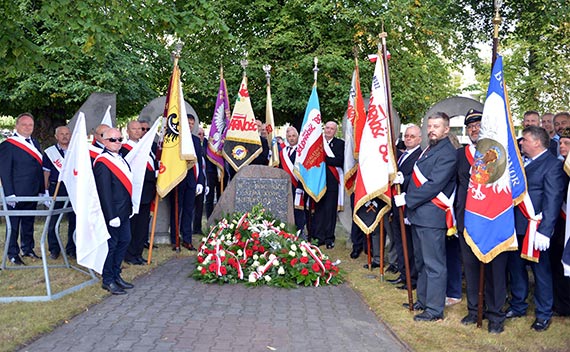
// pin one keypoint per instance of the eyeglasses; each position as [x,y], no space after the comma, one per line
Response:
[410,136]
[473,126]
[114,140]
[144,129]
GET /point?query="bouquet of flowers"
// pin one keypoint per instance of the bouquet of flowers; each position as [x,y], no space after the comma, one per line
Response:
[254,248]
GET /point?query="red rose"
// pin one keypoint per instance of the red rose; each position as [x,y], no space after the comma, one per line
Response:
[304,272]
[200,259]
[212,267]
[249,252]
[241,244]
[203,271]
[316,268]
[245,225]
[256,242]
[238,236]
[223,270]
[283,260]
[304,260]
[293,261]
[255,235]
[261,249]
[328,265]
[255,248]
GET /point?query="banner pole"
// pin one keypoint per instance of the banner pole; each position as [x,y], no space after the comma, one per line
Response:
[152,229]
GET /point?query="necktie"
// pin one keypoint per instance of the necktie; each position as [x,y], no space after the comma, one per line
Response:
[402,158]
[526,160]
[29,140]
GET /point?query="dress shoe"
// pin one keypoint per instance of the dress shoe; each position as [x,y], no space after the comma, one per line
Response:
[53,256]
[392,269]
[374,265]
[31,254]
[540,324]
[495,328]
[417,306]
[123,284]
[135,261]
[355,253]
[188,246]
[471,319]
[17,260]
[426,316]
[395,281]
[405,287]
[147,245]
[330,245]
[114,289]
[71,255]
[512,314]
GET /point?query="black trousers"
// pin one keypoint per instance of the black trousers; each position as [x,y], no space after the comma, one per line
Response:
[324,219]
[23,226]
[53,245]
[139,233]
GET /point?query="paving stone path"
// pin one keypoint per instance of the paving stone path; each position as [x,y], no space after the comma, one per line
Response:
[168,311]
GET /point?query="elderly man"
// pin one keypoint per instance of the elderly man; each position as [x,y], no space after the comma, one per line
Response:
[545,181]
[114,185]
[199,203]
[428,201]
[97,146]
[287,158]
[21,175]
[406,162]
[52,165]
[324,219]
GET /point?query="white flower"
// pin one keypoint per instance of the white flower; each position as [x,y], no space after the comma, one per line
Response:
[208,258]
[282,225]
[255,257]
[223,237]
[204,239]
[222,253]
[272,256]
[267,278]
[239,252]
[199,268]
[252,278]
[291,253]
[304,254]
[255,264]
[232,226]
[281,271]
[293,247]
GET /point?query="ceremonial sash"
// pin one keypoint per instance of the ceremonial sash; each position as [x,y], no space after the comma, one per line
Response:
[94,151]
[338,175]
[441,201]
[470,154]
[528,252]
[119,169]
[287,165]
[29,148]
[150,163]
[55,157]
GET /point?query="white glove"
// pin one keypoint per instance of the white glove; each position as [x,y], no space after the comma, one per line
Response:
[47,203]
[207,191]
[116,222]
[400,199]
[11,203]
[407,222]
[399,179]
[541,242]
[199,189]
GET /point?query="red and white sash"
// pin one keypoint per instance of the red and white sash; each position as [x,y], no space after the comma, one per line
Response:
[287,165]
[55,157]
[29,148]
[338,174]
[441,201]
[470,153]
[94,151]
[528,252]
[119,168]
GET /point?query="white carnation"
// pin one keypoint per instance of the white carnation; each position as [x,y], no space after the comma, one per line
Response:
[252,278]
[293,247]
[267,278]
[292,254]
[281,271]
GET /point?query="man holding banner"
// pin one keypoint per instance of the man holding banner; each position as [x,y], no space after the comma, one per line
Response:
[429,202]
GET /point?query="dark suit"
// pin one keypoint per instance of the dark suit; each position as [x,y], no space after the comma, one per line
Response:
[22,175]
[116,203]
[405,166]
[324,218]
[186,198]
[263,158]
[438,165]
[139,222]
[53,245]
[299,214]
[495,271]
[545,183]
[199,204]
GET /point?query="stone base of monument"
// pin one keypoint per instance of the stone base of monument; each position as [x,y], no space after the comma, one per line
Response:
[162,230]
[267,186]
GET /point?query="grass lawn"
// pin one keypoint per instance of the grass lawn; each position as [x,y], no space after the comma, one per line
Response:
[23,322]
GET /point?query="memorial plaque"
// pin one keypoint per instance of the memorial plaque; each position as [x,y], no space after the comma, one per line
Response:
[256,184]
[269,193]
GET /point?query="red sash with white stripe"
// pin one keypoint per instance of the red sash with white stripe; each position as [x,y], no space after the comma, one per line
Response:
[121,171]
[29,148]
[287,165]
[528,252]
[441,201]
[470,154]
[94,151]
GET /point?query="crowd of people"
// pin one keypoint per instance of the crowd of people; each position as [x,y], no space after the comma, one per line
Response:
[433,182]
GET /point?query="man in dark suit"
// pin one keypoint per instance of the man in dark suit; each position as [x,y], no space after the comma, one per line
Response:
[52,165]
[428,201]
[406,162]
[22,175]
[188,188]
[287,158]
[545,183]
[495,271]
[263,158]
[199,204]
[324,219]
[114,185]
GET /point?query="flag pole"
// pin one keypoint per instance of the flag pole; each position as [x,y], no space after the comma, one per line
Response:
[223,168]
[383,36]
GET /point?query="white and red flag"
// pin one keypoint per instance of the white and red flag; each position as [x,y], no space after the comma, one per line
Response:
[376,162]
[77,175]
